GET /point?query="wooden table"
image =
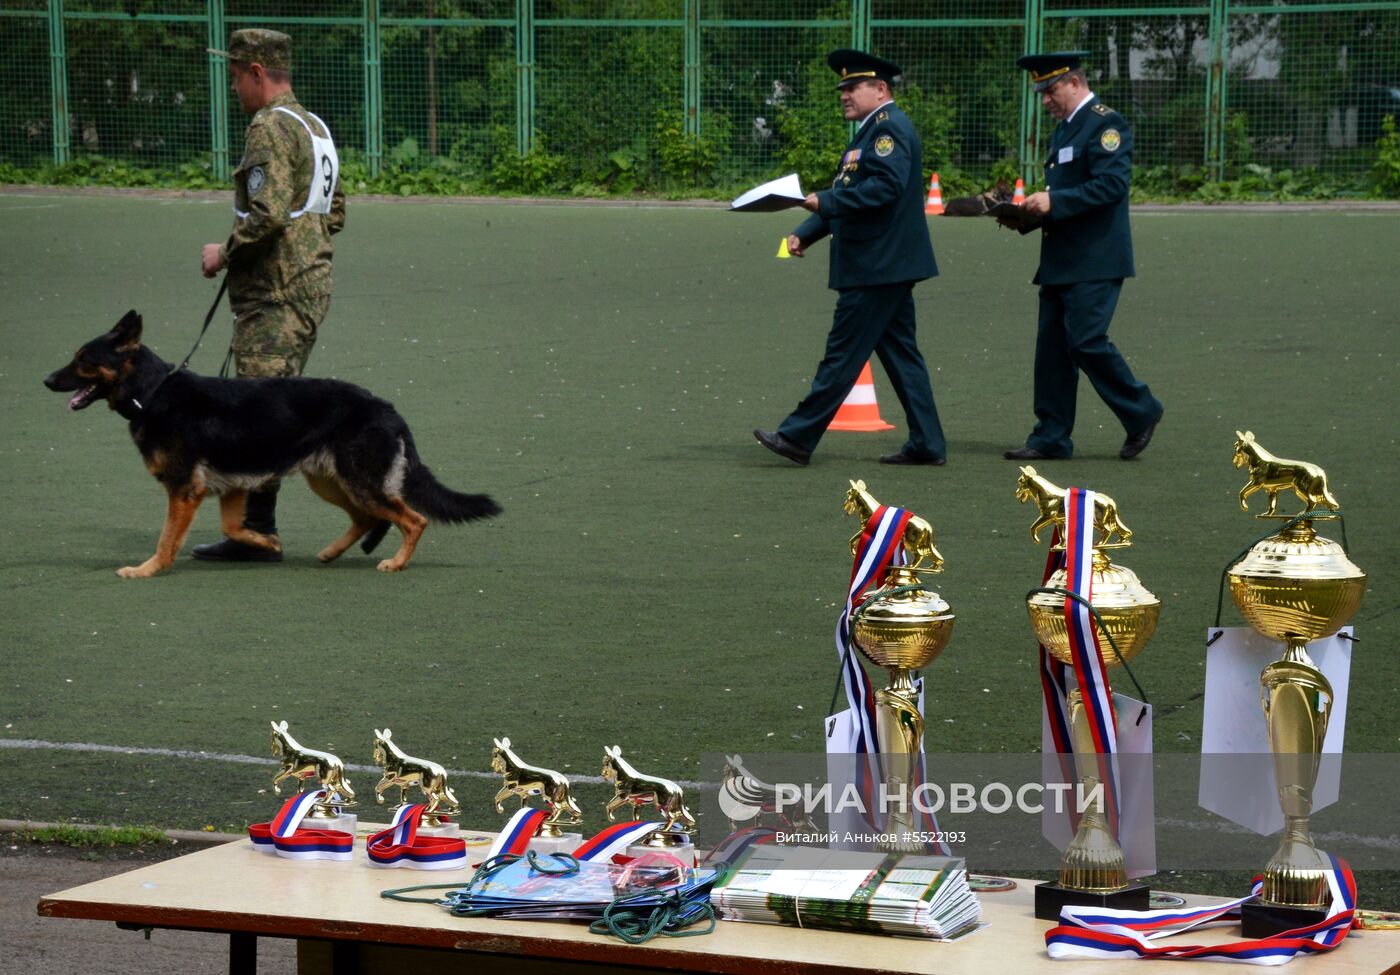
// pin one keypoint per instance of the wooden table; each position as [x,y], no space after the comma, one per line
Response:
[342,925]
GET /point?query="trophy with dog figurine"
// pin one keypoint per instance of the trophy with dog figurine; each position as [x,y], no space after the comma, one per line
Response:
[524,780]
[301,765]
[1293,587]
[632,788]
[1123,615]
[403,771]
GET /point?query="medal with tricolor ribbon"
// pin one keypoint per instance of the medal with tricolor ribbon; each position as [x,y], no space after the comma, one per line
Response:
[1088,932]
[615,840]
[401,845]
[1088,666]
[519,831]
[284,836]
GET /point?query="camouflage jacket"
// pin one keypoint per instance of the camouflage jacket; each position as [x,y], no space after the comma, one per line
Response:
[271,255]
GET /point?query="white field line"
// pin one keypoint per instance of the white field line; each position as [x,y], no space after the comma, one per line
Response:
[35,744]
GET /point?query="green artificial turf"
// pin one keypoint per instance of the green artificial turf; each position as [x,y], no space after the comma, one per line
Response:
[658,580]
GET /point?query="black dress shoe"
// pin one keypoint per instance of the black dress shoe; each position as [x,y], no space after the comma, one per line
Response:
[905,457]
[1136,445]
[783,447]
[1028,453]
[229,550]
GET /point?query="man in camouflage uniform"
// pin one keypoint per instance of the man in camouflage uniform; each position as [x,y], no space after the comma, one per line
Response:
[287,204]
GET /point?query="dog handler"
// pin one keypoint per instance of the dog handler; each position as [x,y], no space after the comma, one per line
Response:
[287,204]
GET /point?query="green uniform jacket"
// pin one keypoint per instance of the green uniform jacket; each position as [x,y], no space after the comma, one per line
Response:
[1088,170]
[272,256]
[874,210]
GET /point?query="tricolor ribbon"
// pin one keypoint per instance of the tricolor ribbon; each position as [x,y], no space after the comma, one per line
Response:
[1086,932]
[733,846]
[401,846]
[880,546]
[521,828]
[614,840]
[284,836]
[1089,671]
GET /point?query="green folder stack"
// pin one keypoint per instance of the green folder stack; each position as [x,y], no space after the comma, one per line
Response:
[907,895]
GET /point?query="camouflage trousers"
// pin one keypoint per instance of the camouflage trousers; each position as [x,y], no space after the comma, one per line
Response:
[275,339]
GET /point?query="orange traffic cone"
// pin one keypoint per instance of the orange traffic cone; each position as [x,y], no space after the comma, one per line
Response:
[934,206]
[860,411]
[1019,196]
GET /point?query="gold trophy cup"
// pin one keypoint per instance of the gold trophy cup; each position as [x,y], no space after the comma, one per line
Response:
[403,771]
[1293,587]
[901,627]
[1093,870]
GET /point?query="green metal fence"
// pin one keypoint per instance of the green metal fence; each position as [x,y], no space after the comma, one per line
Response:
[665,93]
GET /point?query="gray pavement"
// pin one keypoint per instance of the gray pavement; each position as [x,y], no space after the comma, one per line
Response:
[41,944]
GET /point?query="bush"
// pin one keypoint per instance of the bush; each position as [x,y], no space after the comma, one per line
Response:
[1386,172]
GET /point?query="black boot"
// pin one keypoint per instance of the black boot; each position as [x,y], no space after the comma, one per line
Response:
[260,515]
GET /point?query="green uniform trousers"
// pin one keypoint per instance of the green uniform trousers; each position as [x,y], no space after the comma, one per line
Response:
[1073,337]
[877,319]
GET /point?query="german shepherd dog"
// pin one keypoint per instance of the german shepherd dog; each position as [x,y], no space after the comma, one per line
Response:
[228,436]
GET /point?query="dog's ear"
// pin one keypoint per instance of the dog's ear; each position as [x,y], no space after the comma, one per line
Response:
[127,332]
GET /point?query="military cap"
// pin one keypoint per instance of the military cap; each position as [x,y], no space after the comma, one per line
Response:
[270,48]
[1046,69]
[857,66]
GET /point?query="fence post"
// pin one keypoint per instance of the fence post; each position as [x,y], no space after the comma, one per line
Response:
[218,91]
[1217,70]
[524,76]
[374,90]
[860,25]
[1030,104]
[692,68]
[58,81]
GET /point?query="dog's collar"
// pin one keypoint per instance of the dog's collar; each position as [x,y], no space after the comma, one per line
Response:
[223,286]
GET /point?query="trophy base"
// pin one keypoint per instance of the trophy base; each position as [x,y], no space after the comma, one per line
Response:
[684,852]
[450,830]
[563,843]
[1260,920]
[344,823]
[1050,897]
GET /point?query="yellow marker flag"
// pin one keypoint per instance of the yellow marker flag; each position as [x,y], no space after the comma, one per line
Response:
[783,254]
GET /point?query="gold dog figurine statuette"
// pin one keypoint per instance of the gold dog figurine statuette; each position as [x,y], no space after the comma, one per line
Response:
[403,771]
[303,764]
[1050,500]
[527,780]
[918,534]
[1273,475]
[1293,587]
[632,788]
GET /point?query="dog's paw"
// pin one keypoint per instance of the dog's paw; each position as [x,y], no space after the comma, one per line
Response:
[390,565]
[143,571]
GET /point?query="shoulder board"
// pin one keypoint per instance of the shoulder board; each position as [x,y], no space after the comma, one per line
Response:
[1102,109]
[882,116]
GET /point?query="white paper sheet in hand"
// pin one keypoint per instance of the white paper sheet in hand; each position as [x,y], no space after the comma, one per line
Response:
[782,193]
[1246,792]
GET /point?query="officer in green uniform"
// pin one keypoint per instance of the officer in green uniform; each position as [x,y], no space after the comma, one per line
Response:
[287,204]
[880,247]
[1086,250]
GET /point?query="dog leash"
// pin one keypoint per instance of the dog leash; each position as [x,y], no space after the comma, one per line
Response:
[223,287]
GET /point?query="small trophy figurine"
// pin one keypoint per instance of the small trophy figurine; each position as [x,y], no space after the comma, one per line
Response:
[1093,870]
[302,764]
[403,771]
[528,780]
[901,627]
[632,788]
[1293,587]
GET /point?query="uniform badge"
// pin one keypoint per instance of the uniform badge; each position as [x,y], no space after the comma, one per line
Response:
[256,178]
[1110,139]
[884,145]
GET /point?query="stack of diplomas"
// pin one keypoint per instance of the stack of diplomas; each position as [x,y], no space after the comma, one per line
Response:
[900,894]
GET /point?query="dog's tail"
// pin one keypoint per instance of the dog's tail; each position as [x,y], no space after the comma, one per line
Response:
[440,503]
